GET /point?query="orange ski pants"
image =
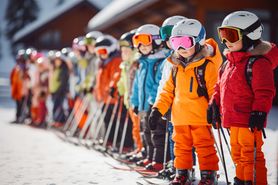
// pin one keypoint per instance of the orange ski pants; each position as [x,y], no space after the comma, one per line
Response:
[242,146]
[187,136]
[136,130]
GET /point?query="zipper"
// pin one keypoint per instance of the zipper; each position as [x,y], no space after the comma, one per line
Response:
[144,88]
[191,84]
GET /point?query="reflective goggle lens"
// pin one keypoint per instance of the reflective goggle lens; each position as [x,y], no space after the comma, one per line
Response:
[165,32]
[101,51]
[231,35]
[144,39]
[184,42]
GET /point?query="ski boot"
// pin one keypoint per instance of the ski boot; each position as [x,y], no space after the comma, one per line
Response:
[237,181]
[156,167]
[182,178]
[143,162]
[208,177]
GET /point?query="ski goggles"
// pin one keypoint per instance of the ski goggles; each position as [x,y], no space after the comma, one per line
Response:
[101,51]
[165,32]
[144,39]
[185,42]
[230,34]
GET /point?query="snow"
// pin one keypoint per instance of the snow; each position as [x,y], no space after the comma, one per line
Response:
[35,156]
[45,16]
[116,10]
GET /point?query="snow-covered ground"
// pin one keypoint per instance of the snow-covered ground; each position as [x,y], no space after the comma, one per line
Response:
[35,156]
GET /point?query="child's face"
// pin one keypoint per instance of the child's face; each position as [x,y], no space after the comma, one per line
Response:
[91,48]
[236,46]
[57,62]
[186,53]
[126,52]
[145,50]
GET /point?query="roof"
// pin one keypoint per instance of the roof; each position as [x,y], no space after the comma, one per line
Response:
[45,19]
[115,11]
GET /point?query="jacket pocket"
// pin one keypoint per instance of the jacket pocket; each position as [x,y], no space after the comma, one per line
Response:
[243,107]
[191,84]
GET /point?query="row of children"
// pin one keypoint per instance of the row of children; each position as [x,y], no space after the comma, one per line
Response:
[171,80]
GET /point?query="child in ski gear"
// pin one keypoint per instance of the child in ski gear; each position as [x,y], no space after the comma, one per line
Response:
[147,41]
[244,92]
[165,34]
[128,67]
[188,99]
[106,49]
[59,87]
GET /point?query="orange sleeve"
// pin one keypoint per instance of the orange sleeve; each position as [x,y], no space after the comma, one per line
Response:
[166,96]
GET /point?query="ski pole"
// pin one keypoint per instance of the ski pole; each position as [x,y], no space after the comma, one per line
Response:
[255,158]
[124,133]
[226,141]
[71,116]
[110,125]
[76,122]
[223,157]
[117,126]
[92,114]
[95,120]
[165,144]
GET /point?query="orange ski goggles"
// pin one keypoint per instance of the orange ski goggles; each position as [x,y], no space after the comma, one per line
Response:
[101,51]
[145,39]
[230,34]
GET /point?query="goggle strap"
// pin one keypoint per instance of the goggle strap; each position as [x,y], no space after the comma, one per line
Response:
[202,32]
[252,27]
[156,37]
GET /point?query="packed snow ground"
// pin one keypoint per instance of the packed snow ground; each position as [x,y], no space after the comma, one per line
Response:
[33,156]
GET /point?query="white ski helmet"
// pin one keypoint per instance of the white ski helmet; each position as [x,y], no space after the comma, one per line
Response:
[108,42]
[248,22]
[152,30]
[190,27]
[92,36]
[171,21]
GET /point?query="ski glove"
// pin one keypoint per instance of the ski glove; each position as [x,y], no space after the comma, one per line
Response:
[257,120]
[213,114]
[135,110]
[154,118]
[112,91]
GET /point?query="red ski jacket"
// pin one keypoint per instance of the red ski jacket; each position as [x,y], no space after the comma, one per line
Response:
[232,92]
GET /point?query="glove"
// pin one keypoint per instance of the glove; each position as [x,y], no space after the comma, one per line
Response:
[154,118]
[213,115]
[112,91]
[257,120]
[135,110]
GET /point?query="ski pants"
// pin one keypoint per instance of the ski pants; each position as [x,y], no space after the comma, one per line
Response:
[155,140]
[19,104]
[136,130]
[242,146]
[58,109]
[187,136]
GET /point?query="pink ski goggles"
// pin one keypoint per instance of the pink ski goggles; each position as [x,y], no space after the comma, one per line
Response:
[185,42]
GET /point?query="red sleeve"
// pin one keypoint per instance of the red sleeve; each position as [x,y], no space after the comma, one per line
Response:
[216,94]
[262,85]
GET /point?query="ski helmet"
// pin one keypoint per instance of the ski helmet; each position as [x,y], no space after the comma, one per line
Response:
[192,28]
[247,22]
[61,56]
[78,43]
[150,30]
[106,44]
[167,26]
[126,39]
[92,36]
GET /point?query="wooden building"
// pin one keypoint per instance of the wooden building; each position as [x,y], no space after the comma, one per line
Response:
[59,28]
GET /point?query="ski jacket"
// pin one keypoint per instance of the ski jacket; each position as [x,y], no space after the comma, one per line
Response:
[128,70]
[105,75]
[16,80]
[146,81]
[180,94]
[235,96]
[59,81]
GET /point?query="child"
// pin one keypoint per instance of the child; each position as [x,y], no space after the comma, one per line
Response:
[244,103]
[147,41]
[188,99]
[129,67]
